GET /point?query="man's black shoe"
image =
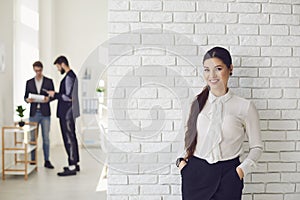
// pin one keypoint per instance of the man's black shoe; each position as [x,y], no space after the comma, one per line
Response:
[67,172]
[48,165]
[77,168]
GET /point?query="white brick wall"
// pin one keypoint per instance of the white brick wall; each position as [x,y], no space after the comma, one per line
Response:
[154,73]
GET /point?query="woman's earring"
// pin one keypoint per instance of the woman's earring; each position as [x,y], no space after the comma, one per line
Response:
[230,73]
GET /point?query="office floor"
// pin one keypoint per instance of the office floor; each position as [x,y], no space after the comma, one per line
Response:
[46,185]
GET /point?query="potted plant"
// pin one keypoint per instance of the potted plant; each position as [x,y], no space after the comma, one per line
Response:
[20,110]
[100,91]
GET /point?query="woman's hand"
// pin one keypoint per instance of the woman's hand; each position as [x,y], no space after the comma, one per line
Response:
[240,172]
[182,164]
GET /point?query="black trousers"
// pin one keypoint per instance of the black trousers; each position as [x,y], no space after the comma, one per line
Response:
[204,181]
[70,141]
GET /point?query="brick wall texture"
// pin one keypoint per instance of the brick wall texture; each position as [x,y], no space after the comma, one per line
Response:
[155,52]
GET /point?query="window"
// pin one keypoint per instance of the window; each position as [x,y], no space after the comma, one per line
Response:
[26,47]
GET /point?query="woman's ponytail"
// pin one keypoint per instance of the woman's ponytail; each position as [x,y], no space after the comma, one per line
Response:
[191,132]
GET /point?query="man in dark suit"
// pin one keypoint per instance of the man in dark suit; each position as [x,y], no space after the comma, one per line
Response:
[40,110]
[67,112]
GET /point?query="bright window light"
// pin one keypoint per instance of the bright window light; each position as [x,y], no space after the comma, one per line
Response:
[29,18]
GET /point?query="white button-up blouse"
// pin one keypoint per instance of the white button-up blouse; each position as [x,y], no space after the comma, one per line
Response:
[221,129]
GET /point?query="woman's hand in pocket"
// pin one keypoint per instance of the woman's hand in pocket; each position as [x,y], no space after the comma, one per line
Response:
[182,164]
[240,172]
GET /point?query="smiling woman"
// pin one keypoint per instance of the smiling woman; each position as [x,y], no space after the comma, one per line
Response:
[216,127]
[216,74]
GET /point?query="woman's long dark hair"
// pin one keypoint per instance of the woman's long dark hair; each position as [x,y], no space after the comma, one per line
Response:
[198,104]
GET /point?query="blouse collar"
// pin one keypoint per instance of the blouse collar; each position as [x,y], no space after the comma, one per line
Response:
[225,97]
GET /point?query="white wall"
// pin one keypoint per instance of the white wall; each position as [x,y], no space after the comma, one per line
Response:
[6,77]
[79,28]
[264,39]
